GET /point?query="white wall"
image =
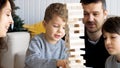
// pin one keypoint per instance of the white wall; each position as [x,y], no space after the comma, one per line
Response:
[32,11]
[113,7]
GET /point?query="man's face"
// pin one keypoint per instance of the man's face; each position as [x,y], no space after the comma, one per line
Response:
[94,16]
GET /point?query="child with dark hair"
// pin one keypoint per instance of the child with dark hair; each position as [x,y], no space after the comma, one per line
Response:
[111,34]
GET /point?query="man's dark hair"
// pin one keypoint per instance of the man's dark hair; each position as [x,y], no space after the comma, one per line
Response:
[94,1]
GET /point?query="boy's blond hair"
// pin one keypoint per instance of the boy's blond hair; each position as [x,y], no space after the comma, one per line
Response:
[58,9]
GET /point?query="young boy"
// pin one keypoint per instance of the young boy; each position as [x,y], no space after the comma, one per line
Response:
[47,50]
[111,33]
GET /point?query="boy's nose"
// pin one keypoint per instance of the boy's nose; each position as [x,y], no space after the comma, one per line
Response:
[60,29]
[107,42]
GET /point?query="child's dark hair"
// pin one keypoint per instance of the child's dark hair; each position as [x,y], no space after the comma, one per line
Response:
[94,1]
[58,9]
[112,25]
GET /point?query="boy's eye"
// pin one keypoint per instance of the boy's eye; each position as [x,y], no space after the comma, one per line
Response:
[104,37]
[63,27]
[55,26]
[113,37]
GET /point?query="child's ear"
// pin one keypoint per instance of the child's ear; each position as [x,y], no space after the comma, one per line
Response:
[44,23]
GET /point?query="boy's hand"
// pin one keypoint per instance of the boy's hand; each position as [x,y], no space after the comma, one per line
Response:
[61,63]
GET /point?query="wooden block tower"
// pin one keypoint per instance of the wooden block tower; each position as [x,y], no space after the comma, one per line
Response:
[75,29]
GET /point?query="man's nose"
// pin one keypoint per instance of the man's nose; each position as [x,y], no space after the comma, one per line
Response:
[91,17]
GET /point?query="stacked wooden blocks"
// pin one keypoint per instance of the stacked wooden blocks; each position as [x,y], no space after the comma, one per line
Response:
[75,29]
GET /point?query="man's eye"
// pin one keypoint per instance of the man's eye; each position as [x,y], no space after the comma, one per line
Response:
[85,13]
[95,14]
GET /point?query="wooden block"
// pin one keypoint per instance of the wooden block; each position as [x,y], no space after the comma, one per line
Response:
[80,66]
[75,34]
[75,64]
[74,50]
[74,6]
[71,58]
[77,60]
[72,17]
[75,41]
[71,35]
[75,56]
[75,14]
[77,52]
[75,21]
[75,46]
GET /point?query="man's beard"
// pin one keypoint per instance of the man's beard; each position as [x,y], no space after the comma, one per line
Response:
[92,23]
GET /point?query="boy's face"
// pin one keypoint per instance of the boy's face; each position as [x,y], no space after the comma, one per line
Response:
[55,29]
[94,16]
[112,43]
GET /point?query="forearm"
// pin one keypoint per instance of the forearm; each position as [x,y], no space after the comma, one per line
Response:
[35,62]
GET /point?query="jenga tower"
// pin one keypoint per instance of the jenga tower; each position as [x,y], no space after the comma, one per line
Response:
[75,29]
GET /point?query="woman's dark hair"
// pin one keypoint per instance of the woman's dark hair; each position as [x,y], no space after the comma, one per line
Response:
[3,3]
[112,25]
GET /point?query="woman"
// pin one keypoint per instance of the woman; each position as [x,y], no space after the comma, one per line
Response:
[6,7]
